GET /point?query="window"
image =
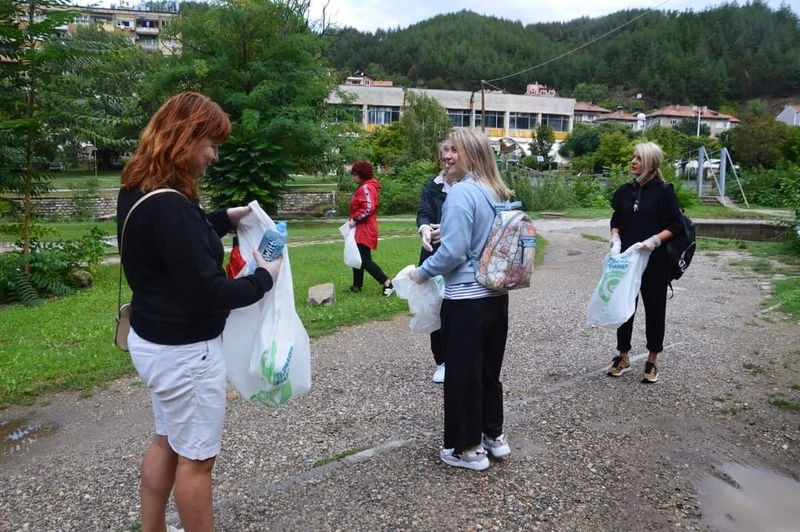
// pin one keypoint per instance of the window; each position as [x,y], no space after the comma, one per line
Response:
[494,119]
[674,122]
[522,121]
[459,117]
[382,114]
[348,114]
[557,122]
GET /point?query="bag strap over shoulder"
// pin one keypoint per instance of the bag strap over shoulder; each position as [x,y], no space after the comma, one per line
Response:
[122,234]
[497,207]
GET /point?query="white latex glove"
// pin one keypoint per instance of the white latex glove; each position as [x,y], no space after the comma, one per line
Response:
[651,243]
[414,276]
[615,242]
[273,267]
[235,214]
[436,235]
[351,223]
[425,233]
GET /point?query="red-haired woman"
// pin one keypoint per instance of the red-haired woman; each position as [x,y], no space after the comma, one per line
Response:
[363,208]
[172,256]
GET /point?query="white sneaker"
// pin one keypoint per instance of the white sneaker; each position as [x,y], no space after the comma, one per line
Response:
[438,375]
[498,447]
[171,528]
[475,460]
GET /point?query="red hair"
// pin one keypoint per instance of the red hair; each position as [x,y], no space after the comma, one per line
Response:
[363,170]
[162,157]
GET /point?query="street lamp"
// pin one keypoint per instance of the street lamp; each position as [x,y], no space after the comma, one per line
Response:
[700,111]
[640,120]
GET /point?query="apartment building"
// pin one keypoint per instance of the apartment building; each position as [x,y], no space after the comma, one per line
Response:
[673,115]
[504,116]
[143,24]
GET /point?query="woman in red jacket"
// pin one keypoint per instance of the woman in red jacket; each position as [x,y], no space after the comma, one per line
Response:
[363,208]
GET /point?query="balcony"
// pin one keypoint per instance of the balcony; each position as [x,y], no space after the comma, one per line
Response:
[146,31]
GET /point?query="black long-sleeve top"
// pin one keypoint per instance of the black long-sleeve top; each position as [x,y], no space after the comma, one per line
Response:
[430,209]
[172,257]
[643,211]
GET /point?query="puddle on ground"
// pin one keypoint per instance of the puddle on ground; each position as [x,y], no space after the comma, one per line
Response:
[740,498]
[19,435]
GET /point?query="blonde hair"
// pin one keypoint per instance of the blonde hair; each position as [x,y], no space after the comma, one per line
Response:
[475,155]
[652,156]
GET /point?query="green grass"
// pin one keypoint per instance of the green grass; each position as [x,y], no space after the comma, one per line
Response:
[753,368]
[77,180]
[336,458]
[66,344]
[594,238]
[784,404]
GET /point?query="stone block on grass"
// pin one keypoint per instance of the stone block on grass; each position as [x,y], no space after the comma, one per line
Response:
[321,294]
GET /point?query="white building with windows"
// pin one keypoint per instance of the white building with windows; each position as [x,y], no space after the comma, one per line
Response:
[516,116]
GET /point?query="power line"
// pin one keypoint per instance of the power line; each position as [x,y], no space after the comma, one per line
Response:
[584,45]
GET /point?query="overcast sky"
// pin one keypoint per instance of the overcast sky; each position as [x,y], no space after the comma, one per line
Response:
[369,15]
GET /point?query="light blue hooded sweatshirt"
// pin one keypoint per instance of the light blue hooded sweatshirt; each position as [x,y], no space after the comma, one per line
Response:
[467,218]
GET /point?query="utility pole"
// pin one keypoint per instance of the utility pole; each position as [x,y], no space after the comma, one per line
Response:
[483,106]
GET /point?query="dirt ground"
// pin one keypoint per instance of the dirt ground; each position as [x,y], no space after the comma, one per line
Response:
[714,445]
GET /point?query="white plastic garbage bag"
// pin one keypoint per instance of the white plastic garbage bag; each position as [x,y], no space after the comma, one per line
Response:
[266,348]
[614,300]
[424,300]
[352,257]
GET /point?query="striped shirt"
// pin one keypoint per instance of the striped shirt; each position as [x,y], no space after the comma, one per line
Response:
[474,290]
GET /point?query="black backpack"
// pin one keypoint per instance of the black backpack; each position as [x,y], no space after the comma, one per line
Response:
[680,249]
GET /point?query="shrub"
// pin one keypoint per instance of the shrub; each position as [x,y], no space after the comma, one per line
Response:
[588,192]
[769,188]
[551,193]
[53,268]
[400,190]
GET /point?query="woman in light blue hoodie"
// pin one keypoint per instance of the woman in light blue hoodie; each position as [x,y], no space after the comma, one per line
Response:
[474,318]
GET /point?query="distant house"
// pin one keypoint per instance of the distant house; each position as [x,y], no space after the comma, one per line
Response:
[362,79]
[538,89]
[587,113]
[620,116]
[673,115]
[790,115]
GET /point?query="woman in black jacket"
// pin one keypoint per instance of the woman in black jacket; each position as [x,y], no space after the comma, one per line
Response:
[172,256]
[429,216]
[645,211]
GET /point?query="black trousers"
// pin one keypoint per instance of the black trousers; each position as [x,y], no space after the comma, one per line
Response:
[474,335]
[436,336]
[654,296]
[436,347]
[367,264]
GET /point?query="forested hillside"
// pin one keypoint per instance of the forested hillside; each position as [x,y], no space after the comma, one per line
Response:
[729,53]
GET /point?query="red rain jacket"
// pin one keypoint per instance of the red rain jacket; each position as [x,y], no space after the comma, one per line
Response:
[363,208]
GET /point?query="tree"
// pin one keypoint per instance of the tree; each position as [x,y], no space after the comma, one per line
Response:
[424,125]
[688,126]
[541,145]
[102,90]
[260,60]
[29,71]
[757,141]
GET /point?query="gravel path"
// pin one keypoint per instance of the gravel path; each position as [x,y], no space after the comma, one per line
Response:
[588,452]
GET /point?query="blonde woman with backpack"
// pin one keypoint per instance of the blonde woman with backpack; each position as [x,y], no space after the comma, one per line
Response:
[474,318]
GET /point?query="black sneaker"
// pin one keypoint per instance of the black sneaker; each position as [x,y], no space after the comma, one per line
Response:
[355,289]
[618,367]
[388,290]
[650,373]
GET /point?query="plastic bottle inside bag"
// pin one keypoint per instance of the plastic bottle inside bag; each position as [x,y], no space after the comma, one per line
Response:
[273,242]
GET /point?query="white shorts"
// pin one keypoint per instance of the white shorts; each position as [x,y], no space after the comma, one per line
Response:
[187,387]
